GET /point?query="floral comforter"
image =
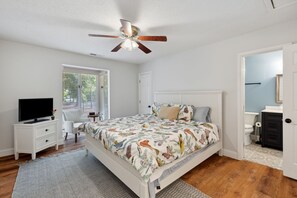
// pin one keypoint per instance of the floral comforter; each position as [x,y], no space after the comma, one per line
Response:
[148,142]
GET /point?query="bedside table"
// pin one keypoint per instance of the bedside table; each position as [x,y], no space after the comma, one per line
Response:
[93,116]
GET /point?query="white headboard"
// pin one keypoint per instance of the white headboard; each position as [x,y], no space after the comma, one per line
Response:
[212,99]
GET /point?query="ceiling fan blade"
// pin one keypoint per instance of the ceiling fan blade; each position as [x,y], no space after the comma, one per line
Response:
[117,47]
[143,48]
[152,38]
[127,27]
[101,35]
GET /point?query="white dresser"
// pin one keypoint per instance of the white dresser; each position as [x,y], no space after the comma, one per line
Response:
[31,138]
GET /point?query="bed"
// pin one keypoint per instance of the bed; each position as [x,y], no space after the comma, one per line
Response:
[146,182]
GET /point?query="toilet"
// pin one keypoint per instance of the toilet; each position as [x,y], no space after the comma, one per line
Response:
[249,123]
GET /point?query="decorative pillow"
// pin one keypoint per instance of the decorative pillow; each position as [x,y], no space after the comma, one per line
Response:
[169,113]
[185,113]
[202,114]
[155,109]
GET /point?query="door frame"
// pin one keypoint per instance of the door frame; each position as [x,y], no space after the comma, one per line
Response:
[241,93]
[151,95]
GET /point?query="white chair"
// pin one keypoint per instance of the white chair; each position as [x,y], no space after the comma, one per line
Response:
[72,119]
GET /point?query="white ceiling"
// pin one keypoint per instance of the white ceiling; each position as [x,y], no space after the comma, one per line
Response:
[65,24]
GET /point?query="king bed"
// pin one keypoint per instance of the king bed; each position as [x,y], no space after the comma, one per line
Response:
[148,153]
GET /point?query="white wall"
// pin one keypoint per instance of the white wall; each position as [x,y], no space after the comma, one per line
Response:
[28,71]
[215,67]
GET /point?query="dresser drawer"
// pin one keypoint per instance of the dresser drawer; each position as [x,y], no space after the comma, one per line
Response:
[32,138]
[45,130]
[45,141]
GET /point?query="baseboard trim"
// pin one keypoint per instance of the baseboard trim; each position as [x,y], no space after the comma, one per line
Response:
[6,152]
[10,151]
[229,153]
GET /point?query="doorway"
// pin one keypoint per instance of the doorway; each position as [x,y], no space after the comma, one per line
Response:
[258,72]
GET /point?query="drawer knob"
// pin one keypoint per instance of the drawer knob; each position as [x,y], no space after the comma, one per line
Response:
[46,129]
[288,120]
[46,140]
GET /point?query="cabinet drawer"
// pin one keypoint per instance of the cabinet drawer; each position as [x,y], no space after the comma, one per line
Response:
[45,130]
[45,141]
[272,116]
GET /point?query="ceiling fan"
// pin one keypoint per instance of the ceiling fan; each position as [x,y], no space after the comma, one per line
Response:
[131,39]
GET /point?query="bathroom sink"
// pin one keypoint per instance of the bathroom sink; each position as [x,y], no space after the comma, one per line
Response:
[273,109]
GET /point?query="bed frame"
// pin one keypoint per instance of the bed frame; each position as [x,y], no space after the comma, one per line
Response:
[129,175]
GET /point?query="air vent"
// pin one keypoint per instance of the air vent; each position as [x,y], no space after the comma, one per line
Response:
[277,4]
[96,55]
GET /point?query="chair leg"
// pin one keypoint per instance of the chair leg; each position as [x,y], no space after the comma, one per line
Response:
[66,135]
[75,137]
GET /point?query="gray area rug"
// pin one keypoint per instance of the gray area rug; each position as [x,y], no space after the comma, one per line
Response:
[75,175]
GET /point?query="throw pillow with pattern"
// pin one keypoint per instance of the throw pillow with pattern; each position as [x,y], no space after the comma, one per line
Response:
[185,113]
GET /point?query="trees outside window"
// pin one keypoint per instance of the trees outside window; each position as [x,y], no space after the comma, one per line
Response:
[80,91]
[88,91]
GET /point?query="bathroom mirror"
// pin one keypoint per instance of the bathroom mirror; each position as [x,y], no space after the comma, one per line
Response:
[279,89]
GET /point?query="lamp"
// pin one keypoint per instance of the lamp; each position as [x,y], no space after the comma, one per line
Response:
[129,44]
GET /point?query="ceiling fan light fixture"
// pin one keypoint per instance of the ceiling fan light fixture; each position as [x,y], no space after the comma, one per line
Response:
[129,44]
[131,39]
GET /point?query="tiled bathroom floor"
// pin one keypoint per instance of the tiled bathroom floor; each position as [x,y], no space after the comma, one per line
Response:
[266,156]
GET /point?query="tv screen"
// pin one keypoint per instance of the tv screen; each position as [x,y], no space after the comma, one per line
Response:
[34,108]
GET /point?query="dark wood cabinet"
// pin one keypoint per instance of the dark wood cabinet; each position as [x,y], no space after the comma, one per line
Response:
[272,130]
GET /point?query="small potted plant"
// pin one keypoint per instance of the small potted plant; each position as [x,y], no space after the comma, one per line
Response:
[53,114]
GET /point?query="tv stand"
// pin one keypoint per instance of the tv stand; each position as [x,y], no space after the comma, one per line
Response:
[35,137]
[36,120]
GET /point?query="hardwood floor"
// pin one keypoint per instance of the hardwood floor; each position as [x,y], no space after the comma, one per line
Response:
[216,177]
[226,177]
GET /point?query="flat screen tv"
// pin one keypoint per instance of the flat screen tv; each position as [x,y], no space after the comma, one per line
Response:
[35,108]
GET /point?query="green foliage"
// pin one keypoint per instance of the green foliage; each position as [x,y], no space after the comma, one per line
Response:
[88,87]
[70,82]
[71,88]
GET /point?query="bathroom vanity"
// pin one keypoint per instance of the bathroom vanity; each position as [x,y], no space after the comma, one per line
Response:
[272,128]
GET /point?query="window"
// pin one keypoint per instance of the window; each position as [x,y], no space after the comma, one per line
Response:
[86,90]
